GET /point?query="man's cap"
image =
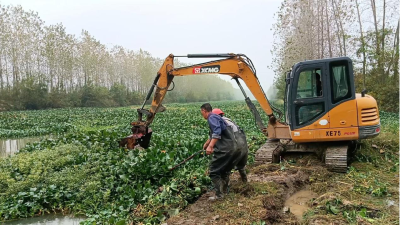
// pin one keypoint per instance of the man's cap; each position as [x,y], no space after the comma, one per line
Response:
[217,111]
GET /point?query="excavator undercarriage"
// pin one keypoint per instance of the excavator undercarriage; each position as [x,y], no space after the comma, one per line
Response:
[336,155]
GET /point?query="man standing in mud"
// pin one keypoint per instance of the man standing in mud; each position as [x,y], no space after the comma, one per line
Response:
[221,143]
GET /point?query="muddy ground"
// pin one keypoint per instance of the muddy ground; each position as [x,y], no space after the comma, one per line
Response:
[366,194]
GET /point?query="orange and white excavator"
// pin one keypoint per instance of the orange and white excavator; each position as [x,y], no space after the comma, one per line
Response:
[323,114]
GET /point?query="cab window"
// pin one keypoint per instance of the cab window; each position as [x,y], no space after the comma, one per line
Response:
[310,84]
[309,112]
[340,81]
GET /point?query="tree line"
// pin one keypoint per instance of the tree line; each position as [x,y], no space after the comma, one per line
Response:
[367,31]
[42,66]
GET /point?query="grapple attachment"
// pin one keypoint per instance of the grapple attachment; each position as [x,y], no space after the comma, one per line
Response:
[141,132]
[140,136]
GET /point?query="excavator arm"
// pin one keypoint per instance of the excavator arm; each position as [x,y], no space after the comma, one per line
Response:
[238,66]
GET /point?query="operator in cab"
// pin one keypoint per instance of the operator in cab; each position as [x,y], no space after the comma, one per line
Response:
[240,136]
[221,143]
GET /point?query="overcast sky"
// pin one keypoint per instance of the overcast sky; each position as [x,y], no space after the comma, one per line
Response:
[164,27]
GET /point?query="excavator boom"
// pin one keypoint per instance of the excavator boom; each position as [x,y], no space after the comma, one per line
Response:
[238,66]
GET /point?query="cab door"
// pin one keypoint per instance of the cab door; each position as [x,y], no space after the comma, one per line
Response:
[342,103]
[309,94]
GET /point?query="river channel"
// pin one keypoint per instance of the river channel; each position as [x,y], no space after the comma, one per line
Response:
[8,147]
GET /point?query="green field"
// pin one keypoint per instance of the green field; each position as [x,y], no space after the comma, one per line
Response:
[82,170]
[85,172]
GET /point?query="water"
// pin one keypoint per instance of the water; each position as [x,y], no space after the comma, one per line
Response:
[51,219]
[297,203]
[11,146]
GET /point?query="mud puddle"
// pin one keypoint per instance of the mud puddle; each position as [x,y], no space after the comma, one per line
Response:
[298,202]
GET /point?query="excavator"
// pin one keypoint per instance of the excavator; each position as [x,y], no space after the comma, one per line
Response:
[322,112]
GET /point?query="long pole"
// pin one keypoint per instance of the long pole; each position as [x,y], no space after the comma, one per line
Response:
[184,161]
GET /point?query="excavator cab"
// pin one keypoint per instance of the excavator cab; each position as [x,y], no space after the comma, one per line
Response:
[316,87]
[322,104]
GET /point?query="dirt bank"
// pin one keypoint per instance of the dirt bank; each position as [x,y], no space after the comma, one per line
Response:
[336,198]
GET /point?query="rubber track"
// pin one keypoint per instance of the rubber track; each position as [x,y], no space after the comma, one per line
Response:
[265,154]
[336,158]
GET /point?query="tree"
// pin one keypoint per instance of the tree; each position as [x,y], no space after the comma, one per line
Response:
[44,63]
